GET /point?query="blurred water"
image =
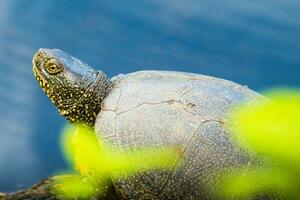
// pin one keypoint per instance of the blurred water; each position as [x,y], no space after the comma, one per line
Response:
[256,43]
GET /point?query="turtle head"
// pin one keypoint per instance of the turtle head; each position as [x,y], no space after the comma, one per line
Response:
[72,85]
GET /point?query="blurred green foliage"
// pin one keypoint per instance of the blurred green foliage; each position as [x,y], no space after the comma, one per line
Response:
[271,129]
[97,162]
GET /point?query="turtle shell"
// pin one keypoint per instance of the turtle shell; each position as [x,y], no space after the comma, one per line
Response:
[154,108]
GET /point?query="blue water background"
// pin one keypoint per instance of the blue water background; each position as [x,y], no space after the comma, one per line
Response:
[252,42]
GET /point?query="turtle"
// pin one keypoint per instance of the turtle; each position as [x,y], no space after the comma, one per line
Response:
[151,108]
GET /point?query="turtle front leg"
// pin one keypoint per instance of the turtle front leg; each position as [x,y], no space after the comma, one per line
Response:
[39,191]
[43,191]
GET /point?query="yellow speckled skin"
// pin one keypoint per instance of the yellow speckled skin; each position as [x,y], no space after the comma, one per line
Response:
[73,86]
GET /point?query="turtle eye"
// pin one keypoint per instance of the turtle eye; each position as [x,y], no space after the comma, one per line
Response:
[53,67]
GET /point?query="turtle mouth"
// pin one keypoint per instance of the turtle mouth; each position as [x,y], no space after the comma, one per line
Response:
[37,71]
[42,82]
[39,77]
